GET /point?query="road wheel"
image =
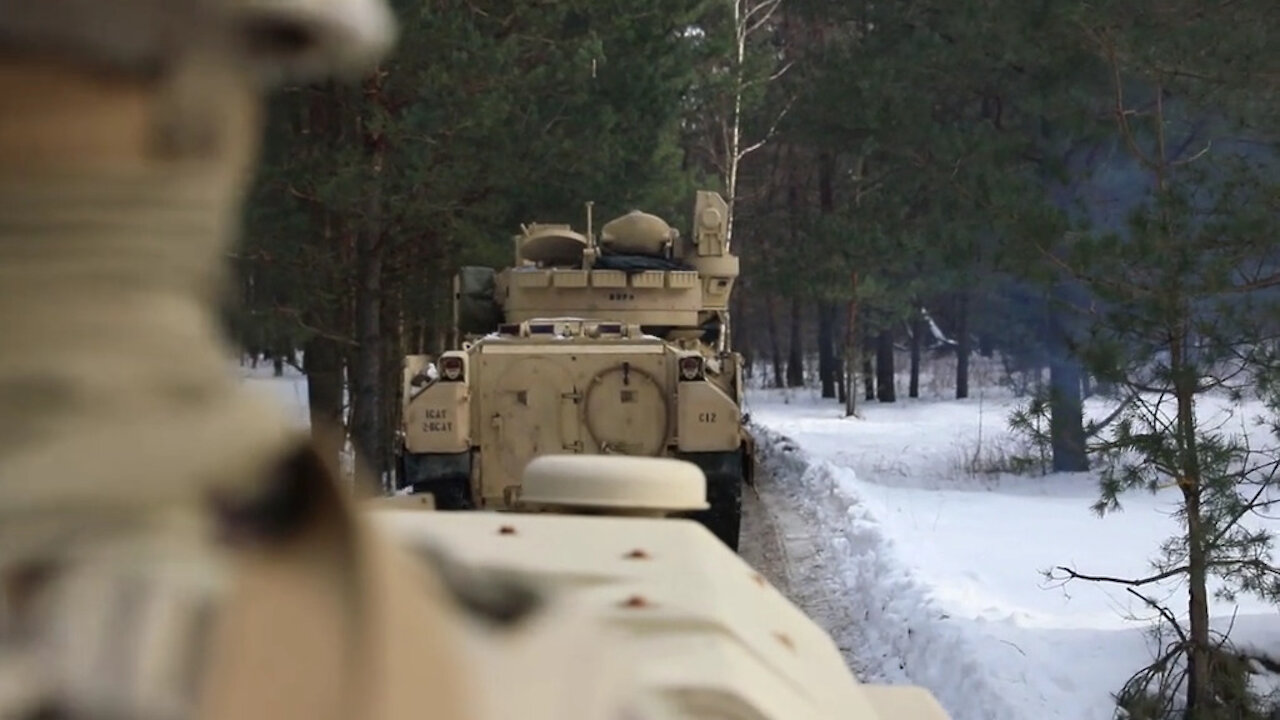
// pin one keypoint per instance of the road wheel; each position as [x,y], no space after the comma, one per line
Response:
[451,492]
[724,517]
[446,477]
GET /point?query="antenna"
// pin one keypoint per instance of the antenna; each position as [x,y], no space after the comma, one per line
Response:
[591,238]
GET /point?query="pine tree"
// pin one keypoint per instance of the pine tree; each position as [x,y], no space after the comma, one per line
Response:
[1181,314]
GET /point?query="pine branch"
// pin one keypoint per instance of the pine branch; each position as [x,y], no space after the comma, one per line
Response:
[1101,425]
[1251,563]
[1164,612]
[768,134]
[1132,582]
[296,316]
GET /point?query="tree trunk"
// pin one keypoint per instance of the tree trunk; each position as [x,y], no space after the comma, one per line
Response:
[827,349]
[986,345]
[1200,679]
[368,397]
[795,356]
[868,369]
[842,385]
[392,361]
[322,362]
[1200,687]
[963,349]
[1066,422]
[917,331]
[850,349]
[826,310]
[887,390]
[366,409]
[775,344]
[421,334]
[442,339]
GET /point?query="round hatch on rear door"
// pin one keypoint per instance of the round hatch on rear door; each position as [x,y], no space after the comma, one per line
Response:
[627,412]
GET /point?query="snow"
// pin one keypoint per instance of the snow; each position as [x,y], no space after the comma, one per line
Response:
[290,389]
[927,573]
[946,569]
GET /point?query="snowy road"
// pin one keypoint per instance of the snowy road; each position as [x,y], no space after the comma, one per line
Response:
[782,541]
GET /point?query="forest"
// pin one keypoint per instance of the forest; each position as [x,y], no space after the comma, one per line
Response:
[1085,189]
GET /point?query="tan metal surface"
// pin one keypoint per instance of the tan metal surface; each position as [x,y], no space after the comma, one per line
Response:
[701,629]
[707,418]
[572,481]
[555,397]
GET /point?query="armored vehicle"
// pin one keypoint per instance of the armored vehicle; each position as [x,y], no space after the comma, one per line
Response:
[665,623]
[612,345]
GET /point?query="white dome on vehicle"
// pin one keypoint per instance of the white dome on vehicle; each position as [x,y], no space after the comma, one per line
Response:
[615,481]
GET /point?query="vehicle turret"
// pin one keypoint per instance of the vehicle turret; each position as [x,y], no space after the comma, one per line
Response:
[639,270]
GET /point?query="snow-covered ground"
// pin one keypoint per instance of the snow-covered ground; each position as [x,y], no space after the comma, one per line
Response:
[926,573]
[290,390]
[944,568]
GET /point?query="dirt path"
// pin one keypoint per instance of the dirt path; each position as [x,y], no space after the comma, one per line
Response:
[761,543]
[783,542]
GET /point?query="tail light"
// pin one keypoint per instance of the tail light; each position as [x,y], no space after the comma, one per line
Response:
[691,367]
[451,368]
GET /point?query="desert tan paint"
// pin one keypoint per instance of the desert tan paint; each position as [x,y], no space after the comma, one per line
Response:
[651,297]
[526,396]
[700,628]
[523,398]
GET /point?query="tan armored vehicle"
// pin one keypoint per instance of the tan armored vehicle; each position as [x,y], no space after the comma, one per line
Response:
[691,630]
[611,345]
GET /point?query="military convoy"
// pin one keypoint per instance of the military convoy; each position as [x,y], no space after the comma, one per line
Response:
[612,345]
[596,393]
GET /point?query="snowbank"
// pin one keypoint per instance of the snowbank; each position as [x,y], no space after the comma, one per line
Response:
[945,568]
[892,629]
